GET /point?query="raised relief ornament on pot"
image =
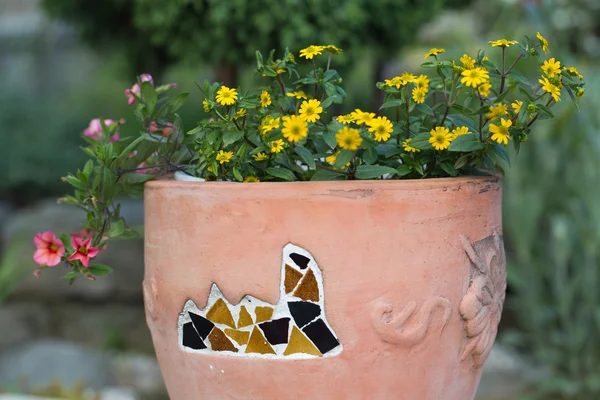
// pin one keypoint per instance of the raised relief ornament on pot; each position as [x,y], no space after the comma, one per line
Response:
[295,327]
[481,307]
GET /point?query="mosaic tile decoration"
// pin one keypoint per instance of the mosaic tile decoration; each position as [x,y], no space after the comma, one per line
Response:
[294,328]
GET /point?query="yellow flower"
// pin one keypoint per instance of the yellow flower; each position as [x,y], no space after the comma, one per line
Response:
[433,52]
[497,111]
[277,146]
[573,71]
[500,133]
[299,94]
[333,49]
[345,119]
[206,105]
[475,77]
[280,71]
[240,114]
[543,42]
[440,138]
[550,88]
[226,96]
[209,169]
[310,110]
[251,179]
[394,82]
[580,92]
[260,156]
[333,158]
[408,148]
[268,124]
[458,131]
[503,43]
[484,89]
[362,117]
[224,156]
[295,128]
[467,62]
[265,98]
[418,95]
[516,105]
[406,78]
[348,138]
[381,128]
[422,83]
[311,51]
[551,67]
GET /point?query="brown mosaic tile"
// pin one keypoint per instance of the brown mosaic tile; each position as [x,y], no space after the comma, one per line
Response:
[245,318]
[220,342]
[219,313]
[258,343]
[263,314]
[292,277]
[241,337]
[308,289]
[300,344]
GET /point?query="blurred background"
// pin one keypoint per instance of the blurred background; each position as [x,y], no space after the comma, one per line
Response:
[64,62]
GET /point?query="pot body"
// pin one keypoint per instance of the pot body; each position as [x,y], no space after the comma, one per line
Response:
[411,279]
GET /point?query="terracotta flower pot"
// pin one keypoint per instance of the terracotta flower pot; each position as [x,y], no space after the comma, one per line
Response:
[375,290]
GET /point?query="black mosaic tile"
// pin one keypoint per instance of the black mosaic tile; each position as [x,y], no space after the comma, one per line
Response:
[191,338]
[202,325]
[276,331]
[303,312]
[300,260]
[321,336]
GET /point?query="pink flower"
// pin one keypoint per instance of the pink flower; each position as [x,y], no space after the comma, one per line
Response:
[94,130]
[166,129]
[86,233]
[83,250]
[135,89]
[49,249]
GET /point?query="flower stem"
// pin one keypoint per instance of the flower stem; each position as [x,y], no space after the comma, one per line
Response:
[503,74]
[407,113]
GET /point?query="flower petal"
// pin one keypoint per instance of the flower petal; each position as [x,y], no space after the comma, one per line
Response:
[40,256]
[53,259]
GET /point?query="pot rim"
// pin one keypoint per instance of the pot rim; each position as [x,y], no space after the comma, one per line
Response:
[398,184]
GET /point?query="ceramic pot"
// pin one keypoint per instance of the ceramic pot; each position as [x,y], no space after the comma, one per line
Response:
[377,290]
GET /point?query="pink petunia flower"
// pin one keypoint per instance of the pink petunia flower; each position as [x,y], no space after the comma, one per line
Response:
[49,249]
[135,89]
[94,130]
[83,250]
[86,233]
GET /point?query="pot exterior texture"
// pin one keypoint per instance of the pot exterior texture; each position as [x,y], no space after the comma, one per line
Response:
[409,279]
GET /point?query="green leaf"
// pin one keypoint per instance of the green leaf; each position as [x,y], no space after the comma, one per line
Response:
[526,94]
[462,120]
[177,101]
[231,137]
[71,275]
[461,109]
[448,167]
[100,269]
[109,186]
[429,64]
[421,141]
[329,138]
[520,78]
[391,103]
[545,111]
[370,156]
[469,142]
[336,98]
[129,149]
[425,109]
[373,171]
[329,75]
[306,156]
[149,96]
[404,169]
[326,175]
[462,161]
[282,173]
[116,228]
[237,174]
[482,110]
[75,182]
[501,152]
[572,96]
[343,158]
[88,168]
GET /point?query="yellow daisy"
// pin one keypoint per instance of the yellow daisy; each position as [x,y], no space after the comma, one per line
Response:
[500,133]
[251,179]
[226,96]
[433,52]
[543,42]
[260,156]
[277,146]
[268,124]
[311,51]
[333,158]
[224,156]
[265,98]
[310,110]
[299,94]
[295,128]
[550,88]
[362,117]
[240,114]
[345,119]
[333,49]
[475,77]
[348,138]
[206,105]
[516,106]
[408,148]
[467,62]
[381,128]
[458,131]
[497,111]
[422,83]
[394,82]
[503,43]
[573,71]
[484,89]
[551,67]
[418,95]
[440,138]
[406,78]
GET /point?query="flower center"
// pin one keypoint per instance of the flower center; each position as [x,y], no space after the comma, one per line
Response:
[440,138]
[53,247]
[82,250]
[310,110]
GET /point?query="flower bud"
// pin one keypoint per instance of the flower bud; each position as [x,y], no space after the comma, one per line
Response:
[580,92]
[531,108]
[456,68]
[524,137]
[533,51]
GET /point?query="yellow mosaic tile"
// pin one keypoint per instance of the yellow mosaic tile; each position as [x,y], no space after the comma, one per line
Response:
[220,342]
[258,343]
[239,336]
[300,344]
[219,313]
[245,318]
[308,289]
[292,276]
[263,314]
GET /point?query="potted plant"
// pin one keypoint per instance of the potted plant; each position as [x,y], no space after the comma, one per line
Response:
[295,253]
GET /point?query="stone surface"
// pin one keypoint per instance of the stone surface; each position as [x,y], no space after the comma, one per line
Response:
[140,372]
[22,322]
[505,375]
[41,363]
